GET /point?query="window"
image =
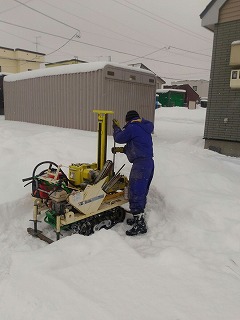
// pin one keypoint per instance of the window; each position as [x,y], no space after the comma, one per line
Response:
[29,69]
[151,80]
[132,78]
[195,88]
[0,68]
[110,73]
[234,74]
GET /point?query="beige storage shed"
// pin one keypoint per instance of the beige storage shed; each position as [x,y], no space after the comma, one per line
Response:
[65,96]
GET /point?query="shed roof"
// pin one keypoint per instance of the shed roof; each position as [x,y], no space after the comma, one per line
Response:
[68,69]
[167,90]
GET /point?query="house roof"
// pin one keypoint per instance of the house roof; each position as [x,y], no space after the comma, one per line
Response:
[23,50]
[65,61]
[142,66]
[190,92]
[210,14]
[207,8]
[34,52]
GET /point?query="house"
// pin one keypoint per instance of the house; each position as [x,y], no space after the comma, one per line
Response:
[15,61]
[171,97]
[65,96]
[191,97]
[19,60]
[64,62]
[159,81]
[200,86]
[222,130]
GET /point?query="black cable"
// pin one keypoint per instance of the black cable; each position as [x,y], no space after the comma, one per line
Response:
[193,52]
[46,15]
[93,45]
[98,25]
[189,32]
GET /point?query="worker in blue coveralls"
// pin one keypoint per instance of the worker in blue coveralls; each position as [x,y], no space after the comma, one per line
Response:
[137,134]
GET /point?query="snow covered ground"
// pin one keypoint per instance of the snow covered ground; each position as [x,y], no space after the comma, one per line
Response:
[185,268]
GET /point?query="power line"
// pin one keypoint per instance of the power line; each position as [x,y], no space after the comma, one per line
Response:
[17,36]
[96,34]
[6,10]
[48,54]
[51,5]
[202,54]
[166,48]
[14,35]
[184,54]
[46,15]
[145,55]
[177,25]
[98,25]
[189,32]
[62,45]
[101,47]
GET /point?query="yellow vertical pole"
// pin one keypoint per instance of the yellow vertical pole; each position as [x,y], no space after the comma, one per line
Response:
[102,136]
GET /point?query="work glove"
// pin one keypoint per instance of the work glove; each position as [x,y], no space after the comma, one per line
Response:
[115,124]
[117,150]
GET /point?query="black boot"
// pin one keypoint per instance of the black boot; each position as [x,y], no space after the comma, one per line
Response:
[131,221]
[139,226]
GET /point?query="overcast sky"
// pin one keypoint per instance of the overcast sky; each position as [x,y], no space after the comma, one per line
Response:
[165,35]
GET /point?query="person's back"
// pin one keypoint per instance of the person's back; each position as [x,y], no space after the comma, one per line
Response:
[137,136]
[139,150]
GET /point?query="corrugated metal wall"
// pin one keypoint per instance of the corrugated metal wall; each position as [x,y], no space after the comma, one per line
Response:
[67,100]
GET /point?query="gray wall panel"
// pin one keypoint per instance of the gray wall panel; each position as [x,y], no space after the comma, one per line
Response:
[67,100]
[223,101]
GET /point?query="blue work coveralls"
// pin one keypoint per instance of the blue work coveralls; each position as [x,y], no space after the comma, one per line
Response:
[139,151]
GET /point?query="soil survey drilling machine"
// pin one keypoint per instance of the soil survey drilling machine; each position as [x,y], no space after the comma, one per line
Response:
[86,200]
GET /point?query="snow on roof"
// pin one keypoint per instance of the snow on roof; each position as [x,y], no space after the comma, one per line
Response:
[5,73]
[136,65]
[68,69]
[236,42]
[167,90]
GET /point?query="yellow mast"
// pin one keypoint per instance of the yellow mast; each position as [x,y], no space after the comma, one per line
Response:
[102,136]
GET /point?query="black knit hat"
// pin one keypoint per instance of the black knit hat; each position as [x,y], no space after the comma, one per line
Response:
[131,115]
